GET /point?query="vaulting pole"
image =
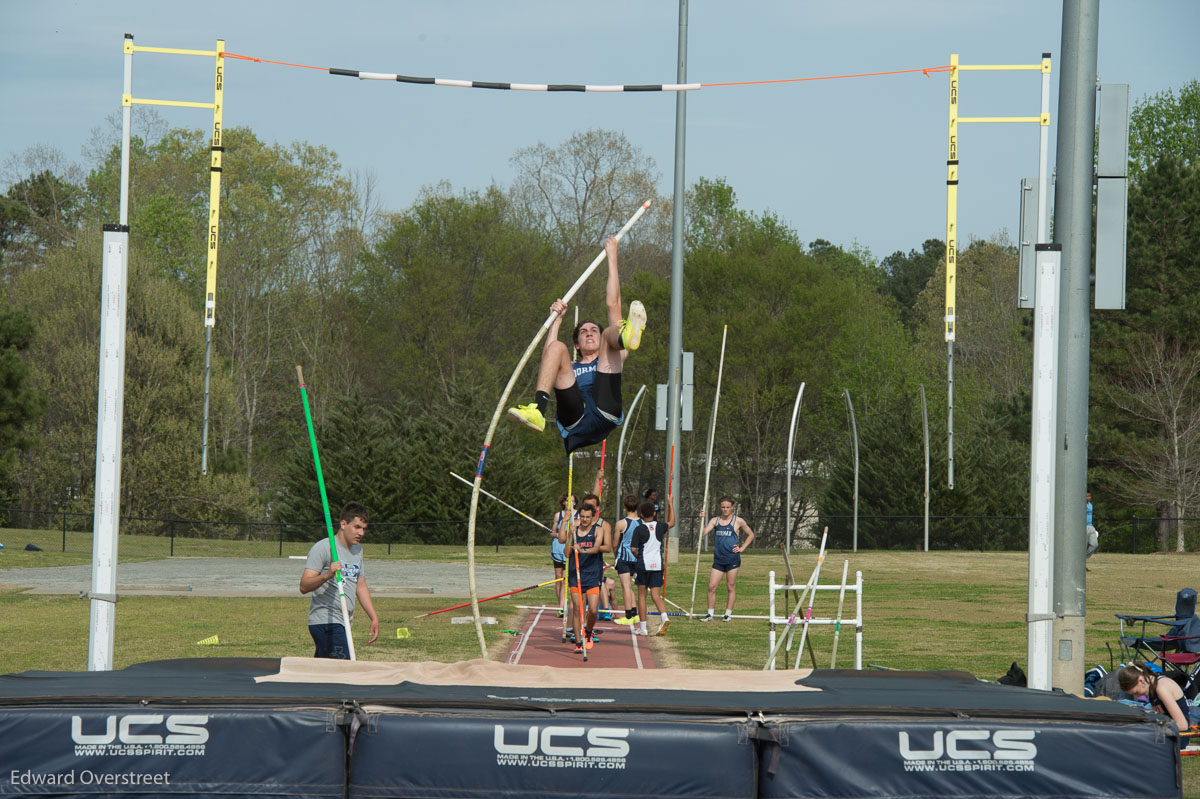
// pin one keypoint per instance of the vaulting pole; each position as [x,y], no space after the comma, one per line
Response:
[502,502]
[812,596]
[621,449]
[491,431]
[811,585]
[569,520]
[787,525]
[712,429]
[312,437]
[837,624]
[671,483]
[573,542]
[490,598]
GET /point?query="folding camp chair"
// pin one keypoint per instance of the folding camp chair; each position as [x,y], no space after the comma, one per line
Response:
[1176,650]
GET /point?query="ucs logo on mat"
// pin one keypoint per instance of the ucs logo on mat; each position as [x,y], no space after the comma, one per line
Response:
[141,734]
[561,746]
[970,750]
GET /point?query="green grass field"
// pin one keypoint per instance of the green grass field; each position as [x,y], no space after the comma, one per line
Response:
[937,610]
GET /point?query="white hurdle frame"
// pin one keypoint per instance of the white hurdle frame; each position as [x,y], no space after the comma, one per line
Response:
[857,621]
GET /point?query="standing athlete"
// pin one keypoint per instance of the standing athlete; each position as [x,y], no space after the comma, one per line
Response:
[324,609]
[727,555]
[592,540]
[626,560]
[647,545]
[587,392]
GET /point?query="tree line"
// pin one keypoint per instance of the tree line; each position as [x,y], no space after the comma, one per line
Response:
[409,322]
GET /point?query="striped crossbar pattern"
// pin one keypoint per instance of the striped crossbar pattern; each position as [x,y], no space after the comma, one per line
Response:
[517,87]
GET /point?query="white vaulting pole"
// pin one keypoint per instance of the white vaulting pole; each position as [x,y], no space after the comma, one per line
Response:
[621,452]
[812,596]
[837,625]
[787,524]
[712,429]
[791,622]
[502,502]
[491,431]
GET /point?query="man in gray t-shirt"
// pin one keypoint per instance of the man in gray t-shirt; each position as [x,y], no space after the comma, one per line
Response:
[325,622]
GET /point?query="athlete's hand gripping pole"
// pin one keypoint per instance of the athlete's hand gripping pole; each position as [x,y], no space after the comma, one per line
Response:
[491,432]
[312,437]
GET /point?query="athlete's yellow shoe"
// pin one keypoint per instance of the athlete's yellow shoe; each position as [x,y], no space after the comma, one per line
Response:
[631,328]
[529,416]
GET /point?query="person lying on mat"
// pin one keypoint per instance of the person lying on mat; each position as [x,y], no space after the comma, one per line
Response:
[1163,693]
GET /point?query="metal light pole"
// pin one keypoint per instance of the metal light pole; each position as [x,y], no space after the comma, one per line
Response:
[675,344]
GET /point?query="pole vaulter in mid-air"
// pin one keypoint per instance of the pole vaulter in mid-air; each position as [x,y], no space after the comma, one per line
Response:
[587,392]
[538,421]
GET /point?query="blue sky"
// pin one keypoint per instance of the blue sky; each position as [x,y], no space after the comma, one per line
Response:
[848,160]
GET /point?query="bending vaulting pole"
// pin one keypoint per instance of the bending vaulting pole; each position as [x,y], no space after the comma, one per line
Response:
[491,432]
[787,524]
[925,432]
[854,433]
[333,556]
[712,429]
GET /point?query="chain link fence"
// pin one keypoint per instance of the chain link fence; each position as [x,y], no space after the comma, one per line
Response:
[895,532]
[187,536]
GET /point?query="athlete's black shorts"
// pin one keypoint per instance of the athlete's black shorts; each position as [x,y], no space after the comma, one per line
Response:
[586,420]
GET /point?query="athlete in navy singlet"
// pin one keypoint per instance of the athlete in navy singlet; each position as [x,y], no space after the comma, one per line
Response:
[626,560]
[588,391]
[727,555]
[590,541]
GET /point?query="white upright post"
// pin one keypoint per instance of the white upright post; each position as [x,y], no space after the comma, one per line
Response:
[110,401]
[1043,221]
[620,512]
[1042,467]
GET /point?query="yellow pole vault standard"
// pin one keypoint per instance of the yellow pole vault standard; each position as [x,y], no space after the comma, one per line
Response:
[951,260]
[952,142]
[214,238]
[951,198]
[214,189]
[214,201]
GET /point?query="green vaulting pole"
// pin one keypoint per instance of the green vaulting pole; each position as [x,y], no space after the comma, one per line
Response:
[312,437]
